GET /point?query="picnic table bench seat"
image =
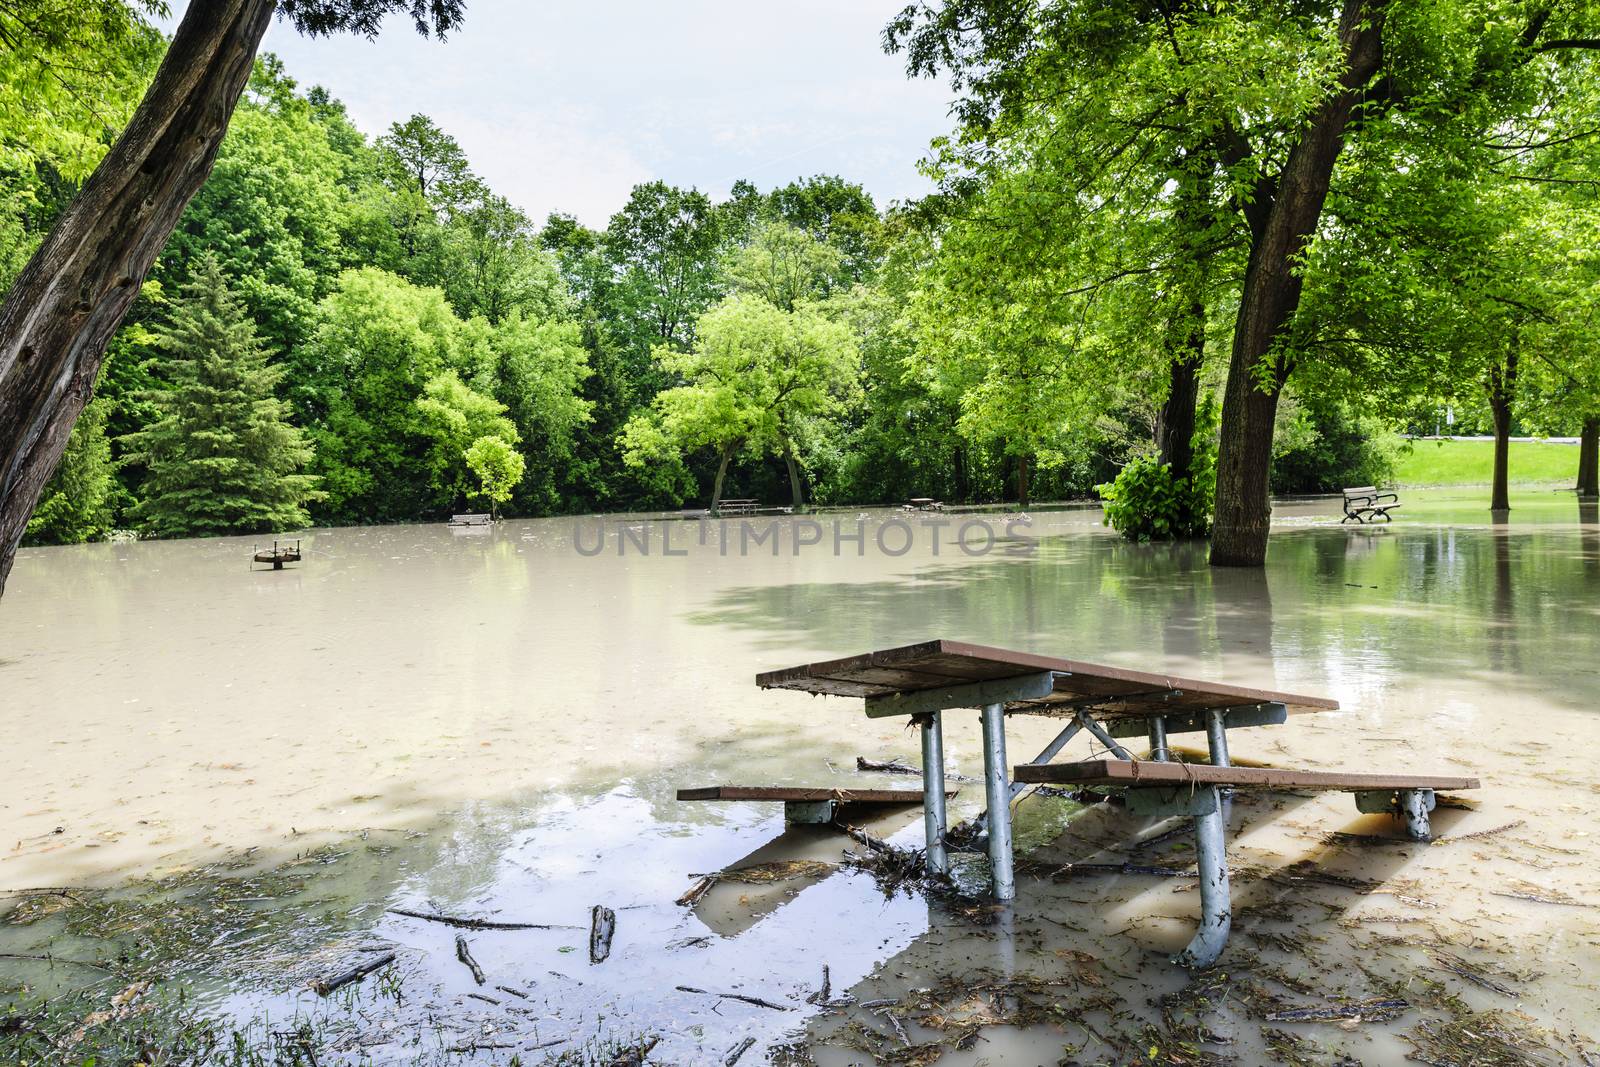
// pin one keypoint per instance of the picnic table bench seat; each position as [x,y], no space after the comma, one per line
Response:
[1194,789]
[810,804]
[1364,504]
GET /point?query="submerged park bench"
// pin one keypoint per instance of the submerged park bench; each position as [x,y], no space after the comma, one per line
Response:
[926,679]
[1365,504]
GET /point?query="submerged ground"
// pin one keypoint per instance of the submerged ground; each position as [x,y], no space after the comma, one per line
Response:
[220,782]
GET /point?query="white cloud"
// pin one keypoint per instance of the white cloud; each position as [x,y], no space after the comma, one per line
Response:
[564,106]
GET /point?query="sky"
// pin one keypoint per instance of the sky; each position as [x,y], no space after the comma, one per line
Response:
[564,105]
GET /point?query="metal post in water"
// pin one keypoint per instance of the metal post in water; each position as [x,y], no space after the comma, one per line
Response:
[1216,906]
[1414,805]
[1158,739]
[999,801]
[933,816]
[1217,736]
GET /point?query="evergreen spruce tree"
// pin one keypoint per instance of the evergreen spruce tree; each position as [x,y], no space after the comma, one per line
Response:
[221,454]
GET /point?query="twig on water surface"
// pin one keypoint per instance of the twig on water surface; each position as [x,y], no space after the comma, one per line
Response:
[893,766]
[1482,833]
[1373,1011]
[464,954]
[693,894]
[757,1001]
[324,986]
[47,958]
[477,924]
[825,994]
[738,1050]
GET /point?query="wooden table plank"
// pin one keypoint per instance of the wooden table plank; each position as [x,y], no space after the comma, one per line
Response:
[1151,773]
[940,663]
[806,794]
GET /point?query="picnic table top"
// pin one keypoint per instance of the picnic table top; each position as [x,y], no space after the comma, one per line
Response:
[1114,691]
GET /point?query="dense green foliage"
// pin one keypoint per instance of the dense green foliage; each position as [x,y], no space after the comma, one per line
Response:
[1051,316]
[220,455]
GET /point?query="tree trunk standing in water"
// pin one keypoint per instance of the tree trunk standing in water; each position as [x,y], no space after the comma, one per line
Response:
[1502,392]
[1022,481]
[73,294]
[1280,230]
[796,492]
[1589,458]
[1175,423]
[722,472]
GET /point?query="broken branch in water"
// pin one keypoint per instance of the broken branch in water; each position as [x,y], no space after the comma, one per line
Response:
[757,1001]
[893,766]
[602,927]
[476,924]
[634,1057]
[464,954]
[738,1050]
[1377,1010]
[324,986]
[47,958]
[693,894]
[1483,833]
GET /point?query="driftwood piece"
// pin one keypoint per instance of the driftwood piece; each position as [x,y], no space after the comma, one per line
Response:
[738,1050]
[855,833]
[324,986]
[825,994]
[602,927]
[893,766]
[464,954]
[757,1001]
[475,924]
[692,895]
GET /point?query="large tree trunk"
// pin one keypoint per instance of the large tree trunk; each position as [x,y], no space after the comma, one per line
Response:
[1175,423]
[1271,296]
[1022,481]
[1589,458]
[73,294]
[722,473]
[1502,391]
[796,490]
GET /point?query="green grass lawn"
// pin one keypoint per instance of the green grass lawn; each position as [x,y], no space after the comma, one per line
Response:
[1472,463]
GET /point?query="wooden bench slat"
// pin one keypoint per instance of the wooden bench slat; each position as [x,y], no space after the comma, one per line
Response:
[1152,773]
[804,794]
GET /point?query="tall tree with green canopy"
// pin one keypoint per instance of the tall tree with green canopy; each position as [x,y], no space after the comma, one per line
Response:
[755,377]
[1273,93]
[61,311]
[221,455]
[379,342]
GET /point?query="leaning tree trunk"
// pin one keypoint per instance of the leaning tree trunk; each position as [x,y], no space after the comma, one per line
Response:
[796,489]
[1271,296]
[1589,458]
[1502,391]
[73,294]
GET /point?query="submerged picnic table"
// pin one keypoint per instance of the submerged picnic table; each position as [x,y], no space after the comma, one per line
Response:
[926,679]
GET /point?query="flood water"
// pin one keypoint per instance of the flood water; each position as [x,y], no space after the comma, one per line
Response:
[493,723]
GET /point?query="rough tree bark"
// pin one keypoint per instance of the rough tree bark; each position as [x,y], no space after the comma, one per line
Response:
[1022,481]
[1175,423]
[722,472]
[73,294]
[1270,297]
[796,489]
[1589,458]
[1502,392]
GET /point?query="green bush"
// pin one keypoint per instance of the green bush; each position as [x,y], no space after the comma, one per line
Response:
[1146,503]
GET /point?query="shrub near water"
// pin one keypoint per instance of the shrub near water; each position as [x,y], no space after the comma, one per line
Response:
[1146,503]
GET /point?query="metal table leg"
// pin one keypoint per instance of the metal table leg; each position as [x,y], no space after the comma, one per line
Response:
[933,816]
[1159,751]
[1217,736]
[999,801]
[1216,905]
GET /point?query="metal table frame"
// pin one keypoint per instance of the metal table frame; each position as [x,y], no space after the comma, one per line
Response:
[926,708]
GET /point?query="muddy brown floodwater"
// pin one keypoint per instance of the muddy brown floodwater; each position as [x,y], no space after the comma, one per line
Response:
[492,723]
